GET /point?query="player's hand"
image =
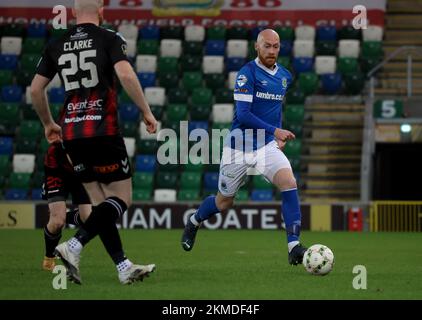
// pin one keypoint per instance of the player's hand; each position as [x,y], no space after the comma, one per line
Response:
[150,122]
[53,133]
[283,135]
[280,144]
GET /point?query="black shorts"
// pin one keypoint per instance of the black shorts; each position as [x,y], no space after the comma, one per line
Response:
[103,159]
[59,184]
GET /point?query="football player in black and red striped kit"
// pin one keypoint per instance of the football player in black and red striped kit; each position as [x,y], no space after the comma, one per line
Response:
[87,58]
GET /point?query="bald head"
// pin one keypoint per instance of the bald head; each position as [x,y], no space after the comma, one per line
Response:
[88,5]
[268,46]
[268,35]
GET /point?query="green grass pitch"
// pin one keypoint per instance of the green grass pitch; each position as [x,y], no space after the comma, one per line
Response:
[229,264]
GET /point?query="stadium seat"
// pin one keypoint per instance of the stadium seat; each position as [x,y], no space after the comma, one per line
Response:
[253,35]
[43,146]
[308,82]
[171,48]
[8,61]
[16,194]
[231,80]
[11,45]
[29,62]
[260,182]
[193,125]
[37,179]
[188,195]
[147,146]
[30,129]
[168,64]
[372,49]
[192,80]
[131,49]
[33,45]
[55,82]
[194,33]
[297,129]
[130,146]
[128,31]
[372,33]
[28,96]
[286,48]
[168,80]
[349,48]
[143,180]
[4,165]
[57,95]
[6,78]
[237,32]
[142,194]
[295,96]
[145,163]
[222,113]
[216,33]
[29,113]
[146,63]
[190,63]
[192,48]
[237,48]
[19,180]
[305,33]
[349,32]
[201,96]
[303,64]
[57,33]
[155,96]
[194,165]
[190,180]
[368,63]
[24,79]
[211,180]
[224,95]
[303,48]
[285,62]
[13,30]
[9,117]
[293,148]
[26,145]
[347,65]
[215,80]
[242,195]
[326,33]
[171,32]
[294,113]
[325,64]
[331,82]
[261,195]
[23,163]
[213,64]
[354,82]
[177,95]
[144,133]
[12,93]
[36,194]
[148,47]
[326,48]
[6,145]
[164,195]
[285,33]
[200,112]
[36,30]
[235,64]
[177,112]
[149,32]
[215,48]
[147,79]
[129,129]
[166,180]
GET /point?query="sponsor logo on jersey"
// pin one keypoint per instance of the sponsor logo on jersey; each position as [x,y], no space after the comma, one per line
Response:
[264,82]
[107,169]
[124,49]
[79,34]
[83,118]
[85,105]
[284,82]
[269,96]
[79,168]
[241,80]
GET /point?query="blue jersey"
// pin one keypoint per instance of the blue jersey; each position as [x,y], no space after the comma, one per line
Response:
[258,93]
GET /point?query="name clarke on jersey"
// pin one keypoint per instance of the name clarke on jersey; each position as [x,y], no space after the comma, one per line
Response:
[77,45]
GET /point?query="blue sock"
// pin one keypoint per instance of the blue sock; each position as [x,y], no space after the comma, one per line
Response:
[291,214]
[207,209]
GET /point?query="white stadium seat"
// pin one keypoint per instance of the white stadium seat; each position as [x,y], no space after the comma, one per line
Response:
[130,146]
[303,48]
[164,195]
[349,48]
[222,112]
[213,64]
[128,31]
[55,82]
[23,163]
[156,96]
[145,135]
[232,79]
[131,48]
[237,48]
[146,63]
[11,45]
[325,64]
[171,48]
[372,33]
[28,98]
[194,33]
[305,33]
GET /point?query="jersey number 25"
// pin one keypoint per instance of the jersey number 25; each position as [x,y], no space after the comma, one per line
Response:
[83,65]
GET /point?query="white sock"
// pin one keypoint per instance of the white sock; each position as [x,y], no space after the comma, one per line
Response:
[75,246]
[124,265]
[193,220]
[292,244]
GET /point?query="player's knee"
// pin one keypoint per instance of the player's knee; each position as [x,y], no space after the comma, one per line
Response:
[56,225]
[224,203]
[288,183]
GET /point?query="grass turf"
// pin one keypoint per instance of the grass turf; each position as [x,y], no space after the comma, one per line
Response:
[229,264]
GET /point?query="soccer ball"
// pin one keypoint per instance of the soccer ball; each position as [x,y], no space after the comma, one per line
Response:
[318,260]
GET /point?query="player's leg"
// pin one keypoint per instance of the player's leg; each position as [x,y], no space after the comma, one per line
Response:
[276,168]
[53,232]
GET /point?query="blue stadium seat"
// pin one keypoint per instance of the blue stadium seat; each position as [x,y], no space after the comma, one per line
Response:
[129,112]
[215,48]
[235,64]
[211,180]
[11,93]
[255,31]
[286,48]
[36,194]
[6,145]
[197,125]
[303,64]
[262,195]
[37,30]
[8,62]
[149,32]
[15,194]
[147,79]
[326,33]
[331,83]
[145,163]
[57,95]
